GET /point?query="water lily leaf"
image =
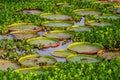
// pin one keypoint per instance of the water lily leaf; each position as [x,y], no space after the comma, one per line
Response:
[83,59]
[57,24]
[5,64]
[23,35]
[37,61]
[31,11]
[85,47]
[98,24]
[51,16]
[85,12]
[79,29]
[108,16]
[45,42]
[61,53]
[24,27]
[58,34]
[37,70]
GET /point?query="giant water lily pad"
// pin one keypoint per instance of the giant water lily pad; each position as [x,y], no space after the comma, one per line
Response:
[104,2]
[55,16]
[61,53]
[5,64]
[37,70]
[85,12]
[45,42]
[58,34]
[64,5]
[48,60]
[79,29]
[108,16]
[87,0]
[35,60]
[57,24]
[83,59]
[85,47]
[24,26]
[31,11]
[109,55]
[22,35]
[98,24]
[115,9]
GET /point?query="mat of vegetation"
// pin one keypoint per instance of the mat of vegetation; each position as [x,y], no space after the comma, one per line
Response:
[22,21]
[70,71]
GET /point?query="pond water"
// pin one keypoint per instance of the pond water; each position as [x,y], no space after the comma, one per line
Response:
[49,50]
[62,46]
[1,37]
[80,23]
[7,36]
